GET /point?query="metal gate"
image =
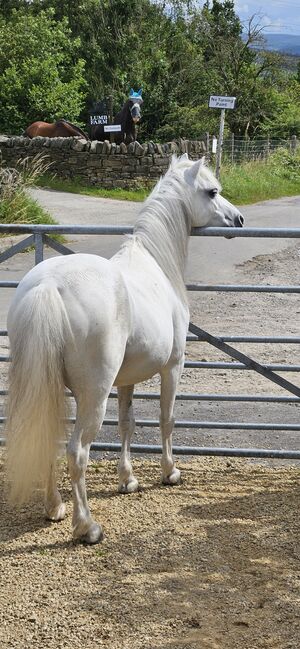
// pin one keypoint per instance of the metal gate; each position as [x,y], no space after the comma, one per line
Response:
[39,237]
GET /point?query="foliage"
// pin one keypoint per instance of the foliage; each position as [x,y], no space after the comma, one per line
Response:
[286,163]
[284,120]
[40,74]
[66,55]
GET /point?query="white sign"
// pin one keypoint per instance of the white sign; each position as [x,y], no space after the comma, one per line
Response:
[221,102]
[214,143]
[112,128]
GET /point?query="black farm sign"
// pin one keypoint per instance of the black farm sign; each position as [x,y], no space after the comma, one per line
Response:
[99,113]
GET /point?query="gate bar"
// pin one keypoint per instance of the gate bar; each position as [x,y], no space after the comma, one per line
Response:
[248,362]
[192,424]
[227,366]
[190,396]
[226,288]
[243,288]
[279,454]
[227,232]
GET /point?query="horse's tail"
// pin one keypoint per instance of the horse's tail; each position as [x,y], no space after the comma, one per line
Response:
[36,402]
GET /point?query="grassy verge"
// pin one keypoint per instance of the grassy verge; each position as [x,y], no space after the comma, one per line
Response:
[260,181]
[242,184]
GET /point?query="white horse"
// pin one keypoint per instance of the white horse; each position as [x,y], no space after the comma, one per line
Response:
[90,323]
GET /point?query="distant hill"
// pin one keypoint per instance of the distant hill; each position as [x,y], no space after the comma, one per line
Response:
[286,43]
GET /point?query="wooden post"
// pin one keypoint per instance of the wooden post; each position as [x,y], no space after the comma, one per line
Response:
[207,143]
[232,148]
[110,116]
[294,143]
[110,109]
[220,143]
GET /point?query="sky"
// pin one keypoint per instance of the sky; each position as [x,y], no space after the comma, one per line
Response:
[278,16]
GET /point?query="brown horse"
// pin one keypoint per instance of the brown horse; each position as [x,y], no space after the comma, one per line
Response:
[61,128]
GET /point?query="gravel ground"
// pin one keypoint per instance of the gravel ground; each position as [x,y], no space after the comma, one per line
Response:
[212,563]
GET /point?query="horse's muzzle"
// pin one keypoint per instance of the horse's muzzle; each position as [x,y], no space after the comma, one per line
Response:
[238,222]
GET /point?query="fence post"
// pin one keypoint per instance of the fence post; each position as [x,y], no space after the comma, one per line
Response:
[220,143]
[232,148]
[294,143]
[207,142]
[39,247]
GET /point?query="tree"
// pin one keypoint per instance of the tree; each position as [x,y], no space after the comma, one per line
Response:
[41,74]
[178,52]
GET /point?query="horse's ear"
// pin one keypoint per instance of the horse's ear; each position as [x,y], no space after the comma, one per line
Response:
[139,92]
[191,173]
[184,157]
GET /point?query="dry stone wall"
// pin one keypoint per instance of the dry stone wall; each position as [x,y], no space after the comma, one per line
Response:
[102,164]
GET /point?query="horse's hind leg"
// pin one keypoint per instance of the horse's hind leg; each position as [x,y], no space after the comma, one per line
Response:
[91,407]
[127,482]
[169,382]
[54,507]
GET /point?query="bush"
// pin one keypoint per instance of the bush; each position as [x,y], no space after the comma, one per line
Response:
[286,163]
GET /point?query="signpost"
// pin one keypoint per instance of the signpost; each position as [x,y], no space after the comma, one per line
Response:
[223,103]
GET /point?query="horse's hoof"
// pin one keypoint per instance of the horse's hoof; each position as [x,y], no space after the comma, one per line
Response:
[172,479]
[57,513]
[92,536]
[128,487]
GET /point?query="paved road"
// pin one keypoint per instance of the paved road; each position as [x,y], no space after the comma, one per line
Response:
[210,260]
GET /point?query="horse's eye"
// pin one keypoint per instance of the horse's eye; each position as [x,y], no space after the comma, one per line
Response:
[212,193]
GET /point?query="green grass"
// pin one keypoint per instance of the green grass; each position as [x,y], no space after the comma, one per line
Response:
[16,206]
[77,187]
[20,208]
[257,181]
[242,184]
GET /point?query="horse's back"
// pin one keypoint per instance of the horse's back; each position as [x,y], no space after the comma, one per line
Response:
[79,279]
[60,128]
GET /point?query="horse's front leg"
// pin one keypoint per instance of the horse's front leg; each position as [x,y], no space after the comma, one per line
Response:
[169,382]
[127,482]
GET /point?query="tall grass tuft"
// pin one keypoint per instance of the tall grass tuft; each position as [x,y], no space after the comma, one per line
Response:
[16,206]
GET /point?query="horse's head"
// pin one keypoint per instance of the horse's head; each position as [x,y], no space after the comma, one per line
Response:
[135,102]
[208,207]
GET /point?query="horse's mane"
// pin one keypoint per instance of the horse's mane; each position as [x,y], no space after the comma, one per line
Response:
[76,128]
[123,113]
[164,224]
